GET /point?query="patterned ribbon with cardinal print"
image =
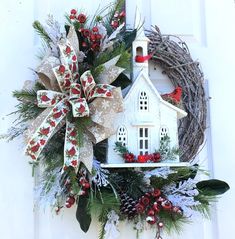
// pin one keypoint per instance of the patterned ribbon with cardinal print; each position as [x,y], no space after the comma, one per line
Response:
[100,102]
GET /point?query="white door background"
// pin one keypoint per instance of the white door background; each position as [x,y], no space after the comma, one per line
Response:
[207,26]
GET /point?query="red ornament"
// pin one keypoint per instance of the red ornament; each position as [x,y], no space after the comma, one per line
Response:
[81,18]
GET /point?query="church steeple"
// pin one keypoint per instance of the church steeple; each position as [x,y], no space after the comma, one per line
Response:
[139,46]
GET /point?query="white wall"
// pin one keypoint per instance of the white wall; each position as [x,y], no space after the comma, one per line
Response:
[207,26]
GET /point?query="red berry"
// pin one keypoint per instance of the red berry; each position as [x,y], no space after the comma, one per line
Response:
[145,200]
[86,185]
[114,24]
[95,29]
[86,33]
[156,192]
[73,11]
[151,220]
[140,208]
[98,37]
[81,18]
[93,37]
[156,207]
[122,14]
[166,205]
[70,200]
[141,159]
[151,212]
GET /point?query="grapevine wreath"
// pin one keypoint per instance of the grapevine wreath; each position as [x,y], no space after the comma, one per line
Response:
[66,118]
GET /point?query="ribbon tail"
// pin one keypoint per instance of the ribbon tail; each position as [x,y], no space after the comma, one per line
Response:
[78,148]
[71,146]
[44,132]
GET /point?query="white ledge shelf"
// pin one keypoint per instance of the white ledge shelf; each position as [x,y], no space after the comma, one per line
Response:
[145,165]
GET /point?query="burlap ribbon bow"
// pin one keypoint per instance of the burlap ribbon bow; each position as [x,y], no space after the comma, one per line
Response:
[72,100]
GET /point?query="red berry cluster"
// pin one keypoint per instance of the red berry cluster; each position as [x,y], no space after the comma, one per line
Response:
[147,158]
[81,18]
[70,201]
[118,19]
[152,203]
[85,185]
[92,39]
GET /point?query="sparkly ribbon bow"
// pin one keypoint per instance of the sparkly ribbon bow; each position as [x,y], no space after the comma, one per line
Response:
[76,98]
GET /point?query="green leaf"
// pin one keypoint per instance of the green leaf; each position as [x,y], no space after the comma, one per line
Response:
[212,187]
[122,81]
[82,214]
[129,37]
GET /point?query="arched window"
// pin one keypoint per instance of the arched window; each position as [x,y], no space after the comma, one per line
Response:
[164,131]
[139,51]
[122,135]
[143,101]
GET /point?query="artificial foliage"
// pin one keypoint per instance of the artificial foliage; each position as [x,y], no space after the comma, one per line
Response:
[58,117]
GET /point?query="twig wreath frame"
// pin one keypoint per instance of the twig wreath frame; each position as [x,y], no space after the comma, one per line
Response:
[173,57]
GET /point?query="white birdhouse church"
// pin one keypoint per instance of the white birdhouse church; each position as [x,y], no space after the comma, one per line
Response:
[146,117]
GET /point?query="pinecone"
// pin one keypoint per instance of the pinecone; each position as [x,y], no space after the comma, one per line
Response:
[128,206]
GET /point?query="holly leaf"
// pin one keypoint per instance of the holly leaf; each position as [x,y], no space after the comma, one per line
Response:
[82,214]
[212,187]
[122,81]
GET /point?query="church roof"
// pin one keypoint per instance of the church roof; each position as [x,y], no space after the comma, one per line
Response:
[142,76]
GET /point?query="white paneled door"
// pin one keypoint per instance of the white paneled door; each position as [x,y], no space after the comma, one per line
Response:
[207,26]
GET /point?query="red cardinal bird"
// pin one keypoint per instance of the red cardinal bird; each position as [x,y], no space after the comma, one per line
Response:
[141,59]
[175,95]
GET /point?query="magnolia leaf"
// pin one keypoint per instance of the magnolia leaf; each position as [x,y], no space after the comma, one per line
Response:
[212,187]
[122,81]
[82,214]
[129,37]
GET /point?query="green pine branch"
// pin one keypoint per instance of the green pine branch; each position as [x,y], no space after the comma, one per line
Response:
[41,32]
